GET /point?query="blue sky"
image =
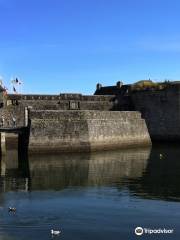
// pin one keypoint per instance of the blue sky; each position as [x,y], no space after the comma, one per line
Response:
[69,45]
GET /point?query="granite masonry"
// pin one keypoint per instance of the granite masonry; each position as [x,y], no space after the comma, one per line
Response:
[117,116]
[72,122]
[86,130]
[158,103]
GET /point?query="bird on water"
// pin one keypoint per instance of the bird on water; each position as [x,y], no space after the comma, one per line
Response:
[55,232]
[12,209]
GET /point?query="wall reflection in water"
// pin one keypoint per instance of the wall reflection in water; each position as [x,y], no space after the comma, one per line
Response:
[162,176]
[141,170]
[43,172]
[14,168]
[96,169]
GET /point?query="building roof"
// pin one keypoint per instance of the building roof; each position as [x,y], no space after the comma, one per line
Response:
[111,90]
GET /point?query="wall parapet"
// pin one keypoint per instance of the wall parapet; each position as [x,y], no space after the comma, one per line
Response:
[68,96]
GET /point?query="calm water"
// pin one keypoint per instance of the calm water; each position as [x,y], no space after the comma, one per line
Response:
[102,195]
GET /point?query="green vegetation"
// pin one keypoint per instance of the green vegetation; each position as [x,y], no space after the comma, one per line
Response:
[148,85]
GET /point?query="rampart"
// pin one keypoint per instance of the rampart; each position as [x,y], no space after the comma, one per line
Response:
[161,110]
[86,130]
[72,122]
[115,117]
[8,113]
[159,104]
[63,101]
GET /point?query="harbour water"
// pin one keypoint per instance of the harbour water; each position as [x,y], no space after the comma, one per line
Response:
[103,195]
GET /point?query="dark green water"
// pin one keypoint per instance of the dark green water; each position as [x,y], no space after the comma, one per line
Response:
[103,195]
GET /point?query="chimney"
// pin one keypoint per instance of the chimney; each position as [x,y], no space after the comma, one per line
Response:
[119,84]
[98,86]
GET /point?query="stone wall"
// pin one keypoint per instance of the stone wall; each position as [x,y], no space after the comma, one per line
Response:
[159,106]
[63,102]
[85,130]
[161,110]
[10,112]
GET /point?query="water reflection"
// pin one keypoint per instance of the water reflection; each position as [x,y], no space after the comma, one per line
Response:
[162,176]
[96,169]
[102,195]
[142,171]
[61,171]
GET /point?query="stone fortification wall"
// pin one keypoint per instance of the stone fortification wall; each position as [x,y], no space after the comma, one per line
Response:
[63,102]
[7,114]
[85,130]
[159,104]
[161,110]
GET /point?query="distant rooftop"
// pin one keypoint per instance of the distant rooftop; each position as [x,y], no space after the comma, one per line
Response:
[120,88]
